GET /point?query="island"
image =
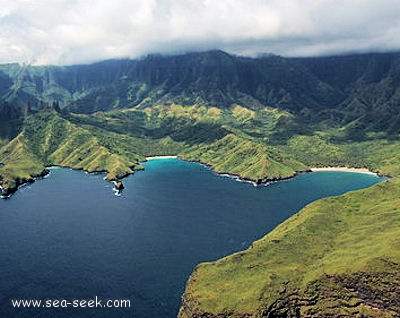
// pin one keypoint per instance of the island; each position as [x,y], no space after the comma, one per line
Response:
[259,119]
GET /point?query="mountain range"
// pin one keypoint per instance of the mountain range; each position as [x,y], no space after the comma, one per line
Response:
[263,119]
[341,89]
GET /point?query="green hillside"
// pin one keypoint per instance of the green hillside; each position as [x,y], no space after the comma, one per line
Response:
[116,142]
[48,139]
[244,158]
[19,164]
[338,257]
[261,119]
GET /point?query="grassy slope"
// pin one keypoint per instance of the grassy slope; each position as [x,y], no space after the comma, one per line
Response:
[224,139]
[115,142]
[234,140]
[20,165]
[275,276]
[245,158]
[338,256]
[344,247]
[379,155]
[48,139]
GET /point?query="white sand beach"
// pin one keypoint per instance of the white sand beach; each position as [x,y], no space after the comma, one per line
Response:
[345,169]
[160,157]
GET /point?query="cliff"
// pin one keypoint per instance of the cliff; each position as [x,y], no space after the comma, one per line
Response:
[338,257]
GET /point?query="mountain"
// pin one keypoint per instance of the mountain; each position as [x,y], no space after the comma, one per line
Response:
[116,142]
[262,119]
[359,90]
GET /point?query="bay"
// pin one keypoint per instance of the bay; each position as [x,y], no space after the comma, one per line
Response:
[69,237]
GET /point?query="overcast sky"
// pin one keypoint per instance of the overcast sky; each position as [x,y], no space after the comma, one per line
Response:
[78,31]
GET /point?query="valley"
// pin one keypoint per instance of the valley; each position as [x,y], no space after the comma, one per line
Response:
[262,119]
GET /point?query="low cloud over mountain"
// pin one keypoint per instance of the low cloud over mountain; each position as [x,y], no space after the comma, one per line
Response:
[70,32]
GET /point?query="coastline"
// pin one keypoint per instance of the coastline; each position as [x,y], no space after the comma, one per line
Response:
[118,185]
[6,193]
[256,182]
[343,169]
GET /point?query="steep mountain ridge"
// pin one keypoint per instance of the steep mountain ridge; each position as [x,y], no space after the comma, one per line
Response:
[338,89]
[261,119]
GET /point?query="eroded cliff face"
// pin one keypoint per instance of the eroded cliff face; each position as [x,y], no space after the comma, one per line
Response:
[330,89]
[365,294]
[360,295]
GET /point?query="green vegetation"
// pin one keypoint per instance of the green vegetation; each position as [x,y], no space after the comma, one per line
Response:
[359,93]
[234,140]
[338,256]
[117,141]
[20,165]
[379,155]
[245,158]
[261,119]
[48,139]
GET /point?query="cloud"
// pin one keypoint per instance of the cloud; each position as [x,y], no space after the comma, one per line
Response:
[81,31]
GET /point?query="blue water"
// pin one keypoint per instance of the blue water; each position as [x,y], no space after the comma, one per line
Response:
[69,237]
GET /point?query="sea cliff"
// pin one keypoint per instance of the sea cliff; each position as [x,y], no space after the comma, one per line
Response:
[337,257]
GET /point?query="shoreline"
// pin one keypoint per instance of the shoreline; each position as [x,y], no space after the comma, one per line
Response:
[344,169]
[6,193]
[255,182]
[160,157]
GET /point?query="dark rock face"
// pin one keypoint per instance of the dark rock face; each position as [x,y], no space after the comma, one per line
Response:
[336,89]
[341,296]
[359,294]
[118,186]
[44,173]
[7,192]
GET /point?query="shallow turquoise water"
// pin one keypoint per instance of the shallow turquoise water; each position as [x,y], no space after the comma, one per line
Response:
[69,237]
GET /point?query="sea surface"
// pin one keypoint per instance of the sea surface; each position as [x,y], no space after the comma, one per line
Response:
[69,237]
